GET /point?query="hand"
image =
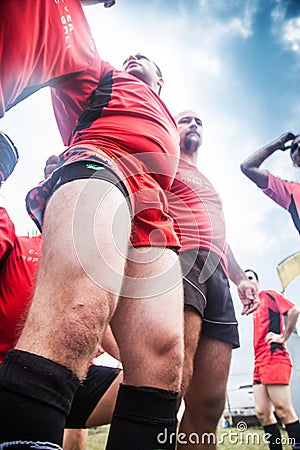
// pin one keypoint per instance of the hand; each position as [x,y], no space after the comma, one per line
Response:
[274,337]
[289,136]
[107,3]
[248,294]
[51,164]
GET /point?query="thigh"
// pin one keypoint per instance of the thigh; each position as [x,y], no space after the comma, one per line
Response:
[262,399]
[280,396]
[80,271]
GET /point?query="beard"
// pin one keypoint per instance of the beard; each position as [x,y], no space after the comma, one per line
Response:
[191,143]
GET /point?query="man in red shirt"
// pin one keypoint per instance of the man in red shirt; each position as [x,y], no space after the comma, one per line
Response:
[207,262]
[125,142]
[284,193]
[272,369]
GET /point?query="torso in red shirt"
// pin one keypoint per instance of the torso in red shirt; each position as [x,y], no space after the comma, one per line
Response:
[42,41]
[197,209]
[19,258]
[269,317]
[126,117]
[286,194]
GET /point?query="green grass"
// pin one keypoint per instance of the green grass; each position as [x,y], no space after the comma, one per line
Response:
[228,439]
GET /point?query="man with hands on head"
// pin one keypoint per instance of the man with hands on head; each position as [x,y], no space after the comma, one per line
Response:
[285,193]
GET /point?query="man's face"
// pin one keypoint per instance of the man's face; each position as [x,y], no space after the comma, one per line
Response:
[295,151]
[145,70]
[190,131]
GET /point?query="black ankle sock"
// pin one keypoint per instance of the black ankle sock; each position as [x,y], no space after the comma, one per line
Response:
[35,398]
[293,430]
[144,419]
[274,436]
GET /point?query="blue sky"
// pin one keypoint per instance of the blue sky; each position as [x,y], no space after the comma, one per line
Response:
[236,62]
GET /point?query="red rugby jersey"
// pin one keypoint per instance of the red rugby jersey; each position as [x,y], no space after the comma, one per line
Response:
[286,194]
[269,317]
[19,258]
[40,42]
[125,117]
[197,210]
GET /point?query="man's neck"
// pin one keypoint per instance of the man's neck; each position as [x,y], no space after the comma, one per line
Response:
[189,158]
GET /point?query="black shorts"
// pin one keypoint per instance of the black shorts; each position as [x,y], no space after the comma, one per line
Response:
[88,169]
[98,380]
[211,298]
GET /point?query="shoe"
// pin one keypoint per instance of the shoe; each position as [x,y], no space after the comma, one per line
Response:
[8,157]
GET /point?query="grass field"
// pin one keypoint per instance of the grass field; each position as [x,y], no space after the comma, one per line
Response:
[228,439]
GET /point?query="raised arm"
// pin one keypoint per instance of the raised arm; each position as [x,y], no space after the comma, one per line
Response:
[247,292]
[251,166]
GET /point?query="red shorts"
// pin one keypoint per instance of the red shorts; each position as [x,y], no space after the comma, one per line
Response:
[151,224]
[279,373]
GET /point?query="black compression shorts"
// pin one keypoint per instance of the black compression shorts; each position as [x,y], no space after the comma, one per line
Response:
[98,380]
[85,169]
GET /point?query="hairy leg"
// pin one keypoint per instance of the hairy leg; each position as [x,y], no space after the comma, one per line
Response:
[75,439]
[280,396]
[205,397]
[80,273]
[148,326]
[192,329]
[263,405]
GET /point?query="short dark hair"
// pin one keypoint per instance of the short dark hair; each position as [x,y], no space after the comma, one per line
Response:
[254,273]
[293,146]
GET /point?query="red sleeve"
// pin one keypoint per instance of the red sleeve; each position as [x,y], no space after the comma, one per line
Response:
[71,96]
[7,233]
[282,303]
[280,191]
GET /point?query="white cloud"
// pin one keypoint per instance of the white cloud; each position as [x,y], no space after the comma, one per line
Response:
[286,30]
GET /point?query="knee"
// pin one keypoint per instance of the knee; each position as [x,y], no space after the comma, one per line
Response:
[283,414]
[264,416]
[169,347]
[166,354]
[80,333]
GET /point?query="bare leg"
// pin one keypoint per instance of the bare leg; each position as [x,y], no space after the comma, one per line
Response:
[75,439]
[205,398]
[80,273]
[103,411]
[263,405]
[192,328]
[149,325]
[266,416]
[280,396]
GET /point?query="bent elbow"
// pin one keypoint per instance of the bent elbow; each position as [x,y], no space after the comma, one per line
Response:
[245,168]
